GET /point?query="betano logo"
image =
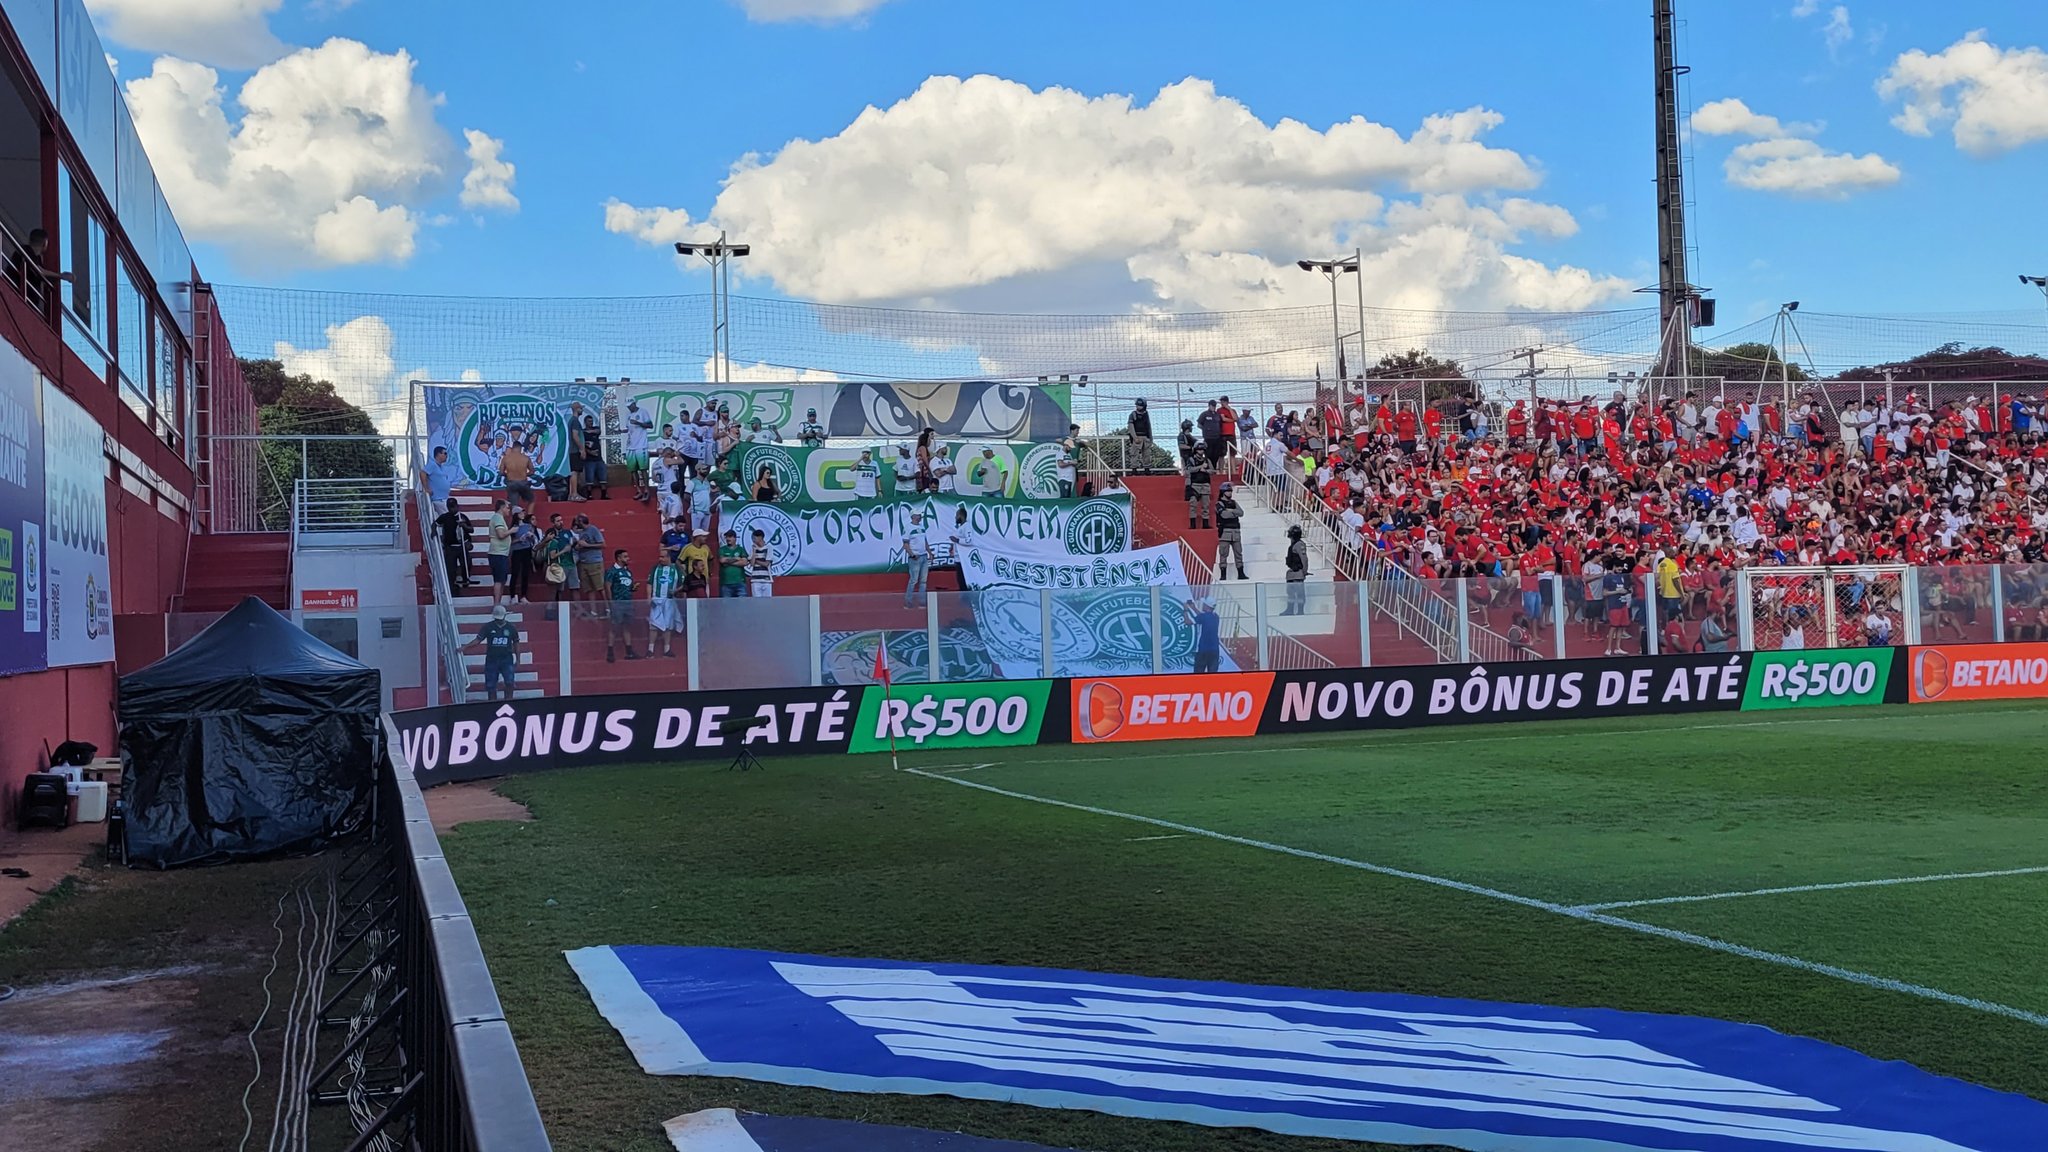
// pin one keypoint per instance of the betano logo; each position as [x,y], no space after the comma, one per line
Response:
[1980,672]
[1169,707]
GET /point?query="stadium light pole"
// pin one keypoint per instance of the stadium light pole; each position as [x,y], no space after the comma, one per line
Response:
[1332,269]
[2040,282]
[719,254]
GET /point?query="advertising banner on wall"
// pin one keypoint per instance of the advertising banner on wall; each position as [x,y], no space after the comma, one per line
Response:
[78,596]
[841,539]
[1952,672]
[476,423]
[1003,714]
[826,475]
[22,565]
[1133,708]
[1817,679]
[479,741]
[1341,700]
[970,411]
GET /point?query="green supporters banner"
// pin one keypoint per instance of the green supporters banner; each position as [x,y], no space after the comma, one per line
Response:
[477,423]
[848,658]
[828,475]
[969,411]
[806,539]
[1817,679]
[1004,714]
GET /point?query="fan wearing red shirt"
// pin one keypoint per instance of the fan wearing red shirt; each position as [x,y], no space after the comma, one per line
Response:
[1404,429]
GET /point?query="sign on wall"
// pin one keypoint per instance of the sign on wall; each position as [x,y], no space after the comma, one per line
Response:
[1132,708]
[841,539]
[1953,672]
[22,563]
[477,423]
[1820,678]
[328,599]
[78,597]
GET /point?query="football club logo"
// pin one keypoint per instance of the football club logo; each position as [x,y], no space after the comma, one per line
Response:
[92,606]
[1038,476]
[785,537]
[1097,528]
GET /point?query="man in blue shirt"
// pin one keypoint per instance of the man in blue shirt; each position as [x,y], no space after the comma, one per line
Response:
[441,475]
[1208,634]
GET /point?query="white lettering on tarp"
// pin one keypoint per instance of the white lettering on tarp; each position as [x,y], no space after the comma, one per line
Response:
[2000,672]
[1639,686]
[672,728]
[1479,691]
[1612,685]
[708,735]
[832,720]
[540,735]
[462,741]
[571,742]
[619,729]
[767,726]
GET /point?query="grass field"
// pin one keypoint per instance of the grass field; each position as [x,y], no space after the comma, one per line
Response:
[994,864]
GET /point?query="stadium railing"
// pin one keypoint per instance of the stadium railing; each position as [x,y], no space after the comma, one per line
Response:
[461,1083]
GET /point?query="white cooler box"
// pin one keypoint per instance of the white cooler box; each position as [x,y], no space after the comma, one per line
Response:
[91,799]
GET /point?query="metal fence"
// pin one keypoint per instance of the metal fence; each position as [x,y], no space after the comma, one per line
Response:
[428,1063]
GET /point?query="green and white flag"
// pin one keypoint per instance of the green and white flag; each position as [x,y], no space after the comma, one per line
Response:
[1099,613]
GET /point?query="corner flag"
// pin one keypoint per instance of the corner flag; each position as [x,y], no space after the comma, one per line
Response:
[883,677]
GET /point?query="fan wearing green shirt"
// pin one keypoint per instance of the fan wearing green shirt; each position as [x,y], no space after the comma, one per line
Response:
[618,580]
[732,567]
[664,614]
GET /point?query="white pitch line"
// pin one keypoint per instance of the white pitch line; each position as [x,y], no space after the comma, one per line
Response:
[1388,737]
[1150,839]
[1812,888]
[952,770]
[1865,979]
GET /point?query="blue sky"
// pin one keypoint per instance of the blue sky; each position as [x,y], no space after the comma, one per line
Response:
[1000,196]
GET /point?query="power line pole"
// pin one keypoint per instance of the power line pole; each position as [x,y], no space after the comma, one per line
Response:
[1674,285]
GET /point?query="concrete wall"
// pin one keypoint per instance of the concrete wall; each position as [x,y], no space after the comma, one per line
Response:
[385,587]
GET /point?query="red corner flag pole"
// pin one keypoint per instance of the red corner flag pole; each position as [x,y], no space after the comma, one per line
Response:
[883,678]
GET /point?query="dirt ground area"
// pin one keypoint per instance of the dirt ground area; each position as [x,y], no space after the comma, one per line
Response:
[134,993]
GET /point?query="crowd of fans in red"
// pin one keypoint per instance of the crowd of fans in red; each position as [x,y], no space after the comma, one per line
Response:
[1564,496]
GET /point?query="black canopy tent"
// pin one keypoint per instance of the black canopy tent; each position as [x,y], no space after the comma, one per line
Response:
[254,738]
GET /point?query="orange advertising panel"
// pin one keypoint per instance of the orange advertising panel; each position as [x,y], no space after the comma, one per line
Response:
[1980,672]
[1126,708]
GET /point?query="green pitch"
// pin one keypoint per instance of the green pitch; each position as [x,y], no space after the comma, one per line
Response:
[1545,861]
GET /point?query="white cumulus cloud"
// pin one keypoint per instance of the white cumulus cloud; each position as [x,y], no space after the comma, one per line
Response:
[1780,160]
[358,360]
[489,182]
[822,11]
[333,154]
[1732,117]
[985,192]
[1803,168]
[1996,99]
[224,33]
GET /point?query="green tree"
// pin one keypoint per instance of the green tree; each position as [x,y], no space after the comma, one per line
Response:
[1442,378]
[291,406]
[1952,361]
[1752,361]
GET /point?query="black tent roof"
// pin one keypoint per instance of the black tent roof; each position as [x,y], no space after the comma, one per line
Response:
[253,640]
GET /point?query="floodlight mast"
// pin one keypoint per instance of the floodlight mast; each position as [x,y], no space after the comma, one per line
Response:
[719,254]
[1333,269]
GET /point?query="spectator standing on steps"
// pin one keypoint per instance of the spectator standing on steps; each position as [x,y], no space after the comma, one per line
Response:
[988,474]
[441,475]
[525,537]
[594,476]
[454,529]
[760,566]
[517,468]
[907,471]
[1210,425]
[590,564]
[619,584]
[498,550]
[558,554]
[917,554]
[500,641]
[810,433]
[695,558]
[1297,573]
[865,473]
[664,612]
[638,425]
[576,466]
[1229,534]
[732,568]
[1198,490]
[1201,614]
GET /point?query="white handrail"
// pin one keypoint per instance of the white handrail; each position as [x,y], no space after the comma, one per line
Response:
[456,673]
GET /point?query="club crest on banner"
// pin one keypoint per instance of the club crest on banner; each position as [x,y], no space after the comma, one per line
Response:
[785,539]
[1099,526]
[1038,475]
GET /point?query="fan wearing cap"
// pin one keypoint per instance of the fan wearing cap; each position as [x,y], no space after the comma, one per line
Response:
[1208,626]
[810,433]
[499,640]
[695,560]
[1229,533]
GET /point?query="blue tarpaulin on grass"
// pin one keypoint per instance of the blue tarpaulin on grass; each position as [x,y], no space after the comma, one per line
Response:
[1355,1066]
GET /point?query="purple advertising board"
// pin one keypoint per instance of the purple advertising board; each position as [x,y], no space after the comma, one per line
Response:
[21,516]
